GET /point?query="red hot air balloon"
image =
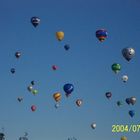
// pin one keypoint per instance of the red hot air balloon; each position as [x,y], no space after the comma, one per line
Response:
[33,107]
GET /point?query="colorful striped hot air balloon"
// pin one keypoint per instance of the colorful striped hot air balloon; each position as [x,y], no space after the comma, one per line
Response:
[101,34]
[57,96]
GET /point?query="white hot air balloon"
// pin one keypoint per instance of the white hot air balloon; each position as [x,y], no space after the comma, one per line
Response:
[124,78]
[93,125]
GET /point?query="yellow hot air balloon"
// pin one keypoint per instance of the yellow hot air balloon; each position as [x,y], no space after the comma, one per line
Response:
[57,96]
[123,138]
[60,35]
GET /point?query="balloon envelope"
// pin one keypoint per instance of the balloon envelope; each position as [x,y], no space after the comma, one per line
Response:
[79,102]
[57,105]
[33,108]
[67,47]
[57,96]
[17,54]
[30,88]
[35,21]
[101,34]
[34,91]
[93,125]
[68,88]
[116,67]
[20,99]
[13,70]
[54,67]
[132,113]
[128,101]
[119,103]
[125,78]
[33,83]
[60,35]
[2,136]
[128,53]
[123,138]
[132,100]
[108,95]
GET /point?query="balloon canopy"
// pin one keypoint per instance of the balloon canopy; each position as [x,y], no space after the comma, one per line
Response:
[132,113]
[93,125]
[128,53]
[60,35]
[17,54]
[79,102]
[108,95]
[124,78]
[101,34]
[123,138]
[35,21]
[13,70]
[33,108]
[57,96]
[67,47]
[68,88]
[116,67]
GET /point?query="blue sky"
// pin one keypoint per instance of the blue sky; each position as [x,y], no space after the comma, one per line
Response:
[87,65]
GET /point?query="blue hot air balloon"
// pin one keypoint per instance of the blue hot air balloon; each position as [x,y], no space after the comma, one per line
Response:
[13,70]
[68,88]
[128,101]
[132,113]
[67,47]
[108,95]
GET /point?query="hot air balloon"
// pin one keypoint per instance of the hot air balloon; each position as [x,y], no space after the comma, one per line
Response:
[108,95]
[60,35]
[132,100]
[93,125]
[116,67]
[57,105]
[119,103]
[35,21]
[123,138]
[67,47]
[26,134]
[128,53]
[2,136]
[23,138]
[79,102]
[101,34]
[17,54]
[33,83]
[19,99]
[128,101]
[34,91]
[68,88]
[33,108]
[131,113]
[54,67]
[124,78]
[30,88]
[57,96]
[13,70]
